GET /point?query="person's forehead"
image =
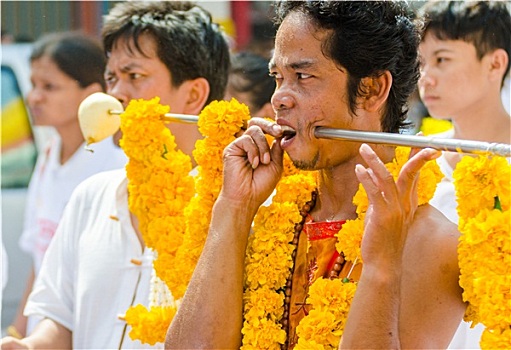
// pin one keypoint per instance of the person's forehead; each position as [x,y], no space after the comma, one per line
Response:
[431,43]
[126,56]
[298,42]
[144,46]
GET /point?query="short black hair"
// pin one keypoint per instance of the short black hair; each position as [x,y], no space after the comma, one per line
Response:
[368,38]
[189,43]
[485,24]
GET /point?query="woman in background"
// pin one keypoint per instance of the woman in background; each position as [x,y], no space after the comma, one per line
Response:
[65,69]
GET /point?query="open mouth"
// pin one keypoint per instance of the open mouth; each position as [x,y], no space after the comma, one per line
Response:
[288,133]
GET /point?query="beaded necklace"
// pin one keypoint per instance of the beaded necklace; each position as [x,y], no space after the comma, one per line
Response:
[309,205]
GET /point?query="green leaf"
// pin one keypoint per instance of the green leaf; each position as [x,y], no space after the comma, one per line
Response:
[165,151]
[497,204]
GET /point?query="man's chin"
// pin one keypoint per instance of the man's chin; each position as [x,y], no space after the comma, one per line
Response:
[304,164]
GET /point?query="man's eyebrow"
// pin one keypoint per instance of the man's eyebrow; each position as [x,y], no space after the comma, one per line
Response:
[442,50]
[129,67]
[124,69]
[294,65]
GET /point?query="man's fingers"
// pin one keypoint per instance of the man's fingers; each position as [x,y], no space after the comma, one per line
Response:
[261,143]
[408,179]
[367,180]
[267,126]
[277,154]
[381,176]
[409,173]
[244,147]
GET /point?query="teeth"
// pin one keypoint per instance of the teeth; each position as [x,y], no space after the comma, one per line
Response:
[288,131]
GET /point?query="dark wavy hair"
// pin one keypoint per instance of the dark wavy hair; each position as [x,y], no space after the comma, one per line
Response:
[189,43]
[368,38]
[485,24]
[79,56]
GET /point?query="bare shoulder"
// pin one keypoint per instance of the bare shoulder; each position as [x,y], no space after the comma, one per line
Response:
[431,295]
[432,243]
[431,226]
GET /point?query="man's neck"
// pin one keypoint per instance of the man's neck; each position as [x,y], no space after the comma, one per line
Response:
[337,187]
[489,123]
[186,135]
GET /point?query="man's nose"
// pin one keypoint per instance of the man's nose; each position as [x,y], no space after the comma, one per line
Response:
[282,99]
[120,92]
[426,76]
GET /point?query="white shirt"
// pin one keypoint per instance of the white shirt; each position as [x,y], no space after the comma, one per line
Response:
[445,197]
[52,184]
[87,278]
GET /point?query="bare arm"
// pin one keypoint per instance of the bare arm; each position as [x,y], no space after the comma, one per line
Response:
[48,334]
[210,315]
[376,306]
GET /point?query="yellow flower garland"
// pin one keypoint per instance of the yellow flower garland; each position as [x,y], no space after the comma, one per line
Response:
[483,189]
[219,122]
[156,167]
[268,262]
[159,187]
[268,265]
[161,192]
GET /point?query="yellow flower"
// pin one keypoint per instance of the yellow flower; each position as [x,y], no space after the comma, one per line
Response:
[496,338]
[222,120]
[304,344]
[266,335]
[483,179]
[349,239]
[330,302]
[218,122]
[432,126]
[484,252]
[149,326]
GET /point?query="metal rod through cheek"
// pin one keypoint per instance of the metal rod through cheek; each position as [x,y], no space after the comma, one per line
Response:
[453,145]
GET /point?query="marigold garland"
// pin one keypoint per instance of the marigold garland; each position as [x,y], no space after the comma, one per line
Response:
[173,223]
[268,264]
[156,167]
[219,122]
[268,261]
[159,187]
[482,189]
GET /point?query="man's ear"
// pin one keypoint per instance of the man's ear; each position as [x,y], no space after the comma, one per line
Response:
[198,93]
[375,91]
[498,60]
